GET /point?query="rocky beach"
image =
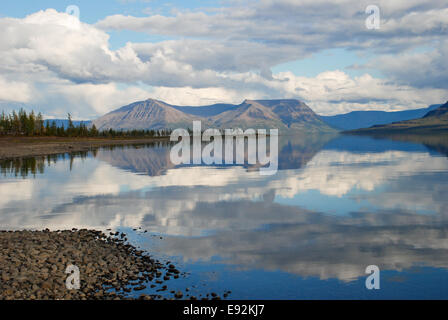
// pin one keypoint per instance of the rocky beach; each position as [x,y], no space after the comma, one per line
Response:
[34,265]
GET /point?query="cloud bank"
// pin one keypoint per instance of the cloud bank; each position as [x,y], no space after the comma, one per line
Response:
[60,64]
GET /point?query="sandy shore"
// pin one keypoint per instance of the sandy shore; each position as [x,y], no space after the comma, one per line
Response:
[19,147]
[33,266]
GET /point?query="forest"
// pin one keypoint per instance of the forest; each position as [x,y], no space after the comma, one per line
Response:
[31,124]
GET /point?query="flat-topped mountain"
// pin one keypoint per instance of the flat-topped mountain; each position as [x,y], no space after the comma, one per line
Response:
[285,115]
[248,114]
[291,111]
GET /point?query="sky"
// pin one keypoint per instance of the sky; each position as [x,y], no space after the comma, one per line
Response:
[322,52]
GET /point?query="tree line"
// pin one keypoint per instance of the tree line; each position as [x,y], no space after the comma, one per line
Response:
[31,124]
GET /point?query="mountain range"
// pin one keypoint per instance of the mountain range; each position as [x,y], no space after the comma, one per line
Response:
[286,115]
[365,119]
[433,122]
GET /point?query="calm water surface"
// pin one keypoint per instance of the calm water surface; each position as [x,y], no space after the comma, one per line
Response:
[336,205]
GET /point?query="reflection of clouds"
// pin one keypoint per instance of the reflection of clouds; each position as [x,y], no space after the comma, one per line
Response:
[158,211]
[423,192]
[105,179]
[97,194]
[324,246]
[36,203]
[14,190]
[335,173]
[203,176]
[232,213]
[332,173]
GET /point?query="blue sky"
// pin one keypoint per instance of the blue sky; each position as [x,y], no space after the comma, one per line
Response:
[200,52]
[92,11]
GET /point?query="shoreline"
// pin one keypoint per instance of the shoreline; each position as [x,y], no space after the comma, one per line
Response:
[23,147]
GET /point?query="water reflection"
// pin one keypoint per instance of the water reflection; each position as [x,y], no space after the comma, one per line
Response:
[31,166]
[335,206]
[153,159]
[22,167]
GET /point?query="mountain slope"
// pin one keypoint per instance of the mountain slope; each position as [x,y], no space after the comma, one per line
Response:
[434,122]
[441,112]
[364,119]
[249,114]
[149,114]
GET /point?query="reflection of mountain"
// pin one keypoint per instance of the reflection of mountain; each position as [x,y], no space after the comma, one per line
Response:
[151,161]
[393,141]
[372,144]
[437,143]
[294,153]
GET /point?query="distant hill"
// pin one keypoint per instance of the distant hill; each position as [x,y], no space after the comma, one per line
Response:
[433,122]
[64,123]
[364,119]
[8,107]
[441,112]
[285,115]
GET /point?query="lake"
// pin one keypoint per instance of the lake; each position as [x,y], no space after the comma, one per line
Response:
[336,205]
